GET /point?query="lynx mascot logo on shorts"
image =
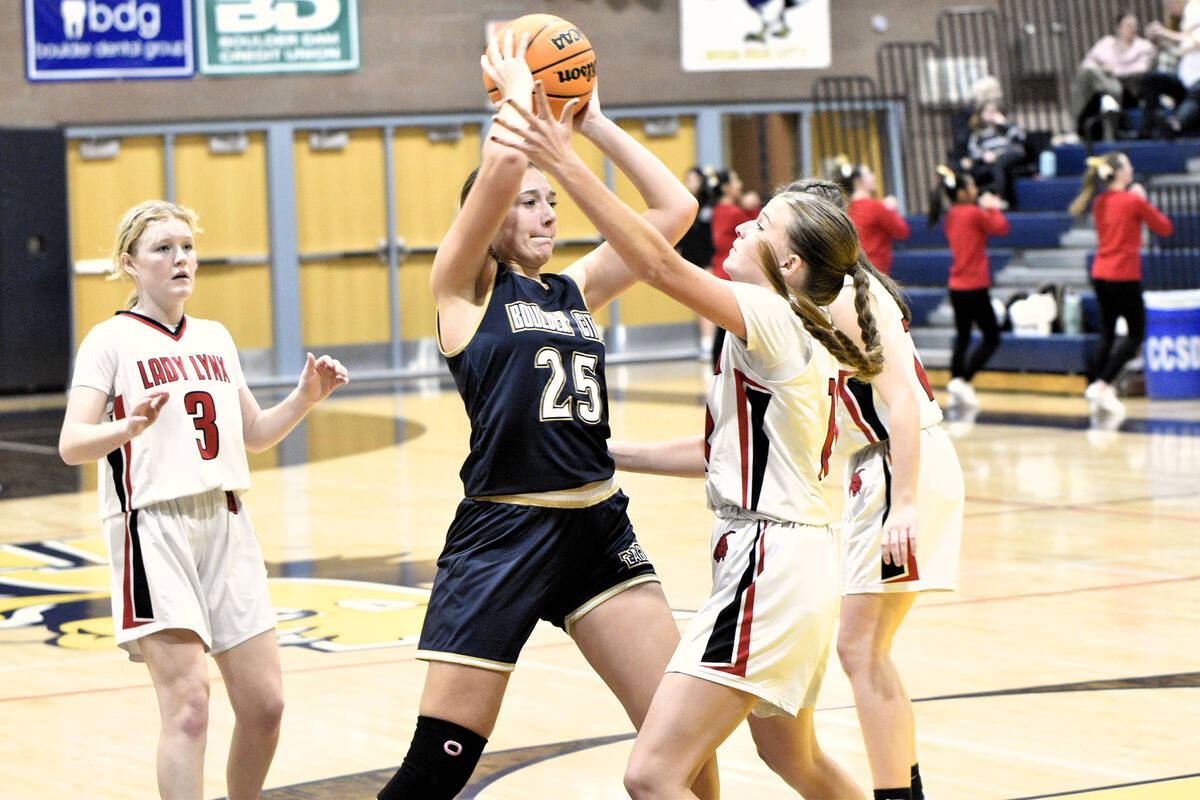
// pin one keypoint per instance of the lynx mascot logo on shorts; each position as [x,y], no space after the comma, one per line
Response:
[856,482]
[63,586]
[722,548]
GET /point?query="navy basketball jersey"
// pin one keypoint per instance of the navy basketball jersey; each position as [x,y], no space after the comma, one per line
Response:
[532,379]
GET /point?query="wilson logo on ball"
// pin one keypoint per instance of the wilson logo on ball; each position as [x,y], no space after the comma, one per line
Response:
[587,72]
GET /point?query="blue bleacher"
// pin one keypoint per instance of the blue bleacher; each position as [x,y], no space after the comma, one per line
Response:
[931,267]
[1058,352]
[1046,194]
[1026,229]
[922,301]
[1148,156]
[1164,269]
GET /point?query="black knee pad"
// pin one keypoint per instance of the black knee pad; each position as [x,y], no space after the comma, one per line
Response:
[439,763]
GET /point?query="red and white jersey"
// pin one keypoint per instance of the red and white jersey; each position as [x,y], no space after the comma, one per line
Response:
[770,419]
[196,442]
[862,414]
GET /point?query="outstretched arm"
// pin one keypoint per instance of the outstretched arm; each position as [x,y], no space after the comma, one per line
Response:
[644,250]
[670,207]
[681,457]
[460,275]
[262,429]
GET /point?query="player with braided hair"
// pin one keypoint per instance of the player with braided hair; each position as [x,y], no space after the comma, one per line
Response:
[759,644]
[903,479]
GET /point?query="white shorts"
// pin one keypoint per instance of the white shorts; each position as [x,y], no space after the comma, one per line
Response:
[940,497]
[192,563]
[767,627]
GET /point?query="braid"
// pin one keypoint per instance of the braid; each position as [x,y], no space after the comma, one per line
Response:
[866,322]
[839,345]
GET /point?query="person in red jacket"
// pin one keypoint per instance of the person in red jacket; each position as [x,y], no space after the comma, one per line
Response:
[1119,211]
[877,221]
[734,206]
[968,224]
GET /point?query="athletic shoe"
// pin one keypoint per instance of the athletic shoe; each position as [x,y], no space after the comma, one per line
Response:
[1109,402]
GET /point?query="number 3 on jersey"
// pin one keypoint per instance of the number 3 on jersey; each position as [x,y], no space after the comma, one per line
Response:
[557,404]
[202,410]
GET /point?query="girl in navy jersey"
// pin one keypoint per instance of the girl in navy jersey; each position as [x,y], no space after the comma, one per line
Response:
[903,484]
[543,532]
[1119,211]
[877,221]
[760,642]
[968,225]
[160,399]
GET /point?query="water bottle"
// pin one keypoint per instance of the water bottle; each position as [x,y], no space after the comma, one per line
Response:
[1047,164]
[1072,313]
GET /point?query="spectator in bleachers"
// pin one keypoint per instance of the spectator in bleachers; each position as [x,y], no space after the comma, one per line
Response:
[877,221]
[1179,41]
[1119,211]
[995,148]
[983,90]
[971,218]
[1110,78]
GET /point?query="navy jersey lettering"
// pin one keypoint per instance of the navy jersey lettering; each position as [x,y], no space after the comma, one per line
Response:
[532,380]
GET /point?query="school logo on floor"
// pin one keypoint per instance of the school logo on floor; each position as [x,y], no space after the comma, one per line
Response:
[63,586]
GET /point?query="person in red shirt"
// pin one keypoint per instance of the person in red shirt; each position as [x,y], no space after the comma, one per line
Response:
[968,224]
[877,221]
[1119,211]
[734,206]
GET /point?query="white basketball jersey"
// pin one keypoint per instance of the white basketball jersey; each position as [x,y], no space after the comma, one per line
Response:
[770,420]
[862,414]
[196,442]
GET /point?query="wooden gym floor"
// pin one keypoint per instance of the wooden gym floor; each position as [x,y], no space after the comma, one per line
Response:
[1067,665]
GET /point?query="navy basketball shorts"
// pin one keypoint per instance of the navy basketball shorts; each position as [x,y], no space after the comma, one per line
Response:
[505,566]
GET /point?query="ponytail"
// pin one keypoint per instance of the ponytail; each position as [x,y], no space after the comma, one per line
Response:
[945,190]
[1100,170]
[831,192]
[844,174]
[823,236]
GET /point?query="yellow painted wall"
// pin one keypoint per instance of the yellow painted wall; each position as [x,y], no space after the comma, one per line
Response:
[429,177]
[345,301]
[417,317]
[99,192]
[340,206]
[642,305]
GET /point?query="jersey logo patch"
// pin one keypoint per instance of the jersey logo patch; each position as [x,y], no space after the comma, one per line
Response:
[722,548]
[633,555]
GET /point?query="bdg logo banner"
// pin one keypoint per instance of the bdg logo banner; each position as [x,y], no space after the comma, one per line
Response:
[261,36]
[102,39]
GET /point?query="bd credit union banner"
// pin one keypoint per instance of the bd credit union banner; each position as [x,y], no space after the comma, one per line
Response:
[96,39]
[238,37]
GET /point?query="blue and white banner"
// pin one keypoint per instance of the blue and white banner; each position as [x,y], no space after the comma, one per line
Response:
[99,39]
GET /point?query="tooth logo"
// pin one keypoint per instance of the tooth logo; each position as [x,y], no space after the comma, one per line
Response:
[73,14]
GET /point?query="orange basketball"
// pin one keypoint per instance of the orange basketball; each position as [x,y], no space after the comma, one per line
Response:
[558,55]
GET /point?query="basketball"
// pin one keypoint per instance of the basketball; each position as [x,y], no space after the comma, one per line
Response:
[559,55]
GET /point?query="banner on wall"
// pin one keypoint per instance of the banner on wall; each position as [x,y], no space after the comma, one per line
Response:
[754,34]
[102,39]
[240,37]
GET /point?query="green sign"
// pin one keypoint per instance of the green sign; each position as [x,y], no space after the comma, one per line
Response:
[239,37]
